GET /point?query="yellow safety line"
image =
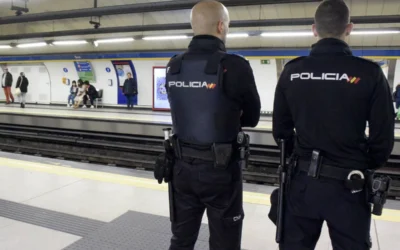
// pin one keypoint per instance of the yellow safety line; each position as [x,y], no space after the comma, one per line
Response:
[248,197]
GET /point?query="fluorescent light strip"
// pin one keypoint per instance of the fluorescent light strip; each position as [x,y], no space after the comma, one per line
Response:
[306,33]
[77,42]
[5,47]
[116,40]
[238,35]
[157,38]
[31,45]
[286,34]
[374,32]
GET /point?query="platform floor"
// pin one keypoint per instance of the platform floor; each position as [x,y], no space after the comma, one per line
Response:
[51,204]
[144,116]
[137,115]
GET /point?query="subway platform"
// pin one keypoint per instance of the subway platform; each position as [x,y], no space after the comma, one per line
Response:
[51,204]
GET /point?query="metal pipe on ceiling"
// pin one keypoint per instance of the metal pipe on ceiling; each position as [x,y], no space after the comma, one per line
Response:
[133,8]
[187,26]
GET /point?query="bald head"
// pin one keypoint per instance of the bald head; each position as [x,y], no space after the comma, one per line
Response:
[210,18]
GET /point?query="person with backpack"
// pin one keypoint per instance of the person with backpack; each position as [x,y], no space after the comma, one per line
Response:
[22,85]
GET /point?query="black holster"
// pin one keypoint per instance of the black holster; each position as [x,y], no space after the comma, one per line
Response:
[378,187]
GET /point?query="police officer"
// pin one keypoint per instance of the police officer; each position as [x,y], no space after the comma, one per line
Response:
[328,97]
[212,94]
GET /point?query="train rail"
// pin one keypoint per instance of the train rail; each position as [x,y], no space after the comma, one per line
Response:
[138,151]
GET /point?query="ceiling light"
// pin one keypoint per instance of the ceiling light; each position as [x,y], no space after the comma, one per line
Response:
[77,42]
[5,47]
[31,45]
[154,38]
[116,40]
[286,34]
[238,35]
[374,32]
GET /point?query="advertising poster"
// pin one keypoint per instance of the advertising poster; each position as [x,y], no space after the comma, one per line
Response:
[122,68]
[85,71]
[160,97]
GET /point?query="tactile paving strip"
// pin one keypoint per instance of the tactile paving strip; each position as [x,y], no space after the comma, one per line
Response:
[135,231]
[49,219]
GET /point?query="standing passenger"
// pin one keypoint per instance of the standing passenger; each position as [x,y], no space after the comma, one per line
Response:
[332,153]
[22,85]
[130,90]
[397,100]
[6,84]
[207,118]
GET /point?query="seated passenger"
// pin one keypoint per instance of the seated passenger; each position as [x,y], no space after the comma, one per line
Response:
[73,91]
[90,94]
[79,95]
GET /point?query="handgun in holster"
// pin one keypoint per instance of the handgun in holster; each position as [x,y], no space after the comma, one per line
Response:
[379,189]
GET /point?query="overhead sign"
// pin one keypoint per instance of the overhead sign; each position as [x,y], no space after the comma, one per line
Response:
[85,71]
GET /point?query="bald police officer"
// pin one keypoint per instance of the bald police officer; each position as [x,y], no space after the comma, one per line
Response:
[212,95]
[328,97]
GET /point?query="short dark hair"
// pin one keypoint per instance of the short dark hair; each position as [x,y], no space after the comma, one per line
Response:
[331,18]
[73,81]
[86,83]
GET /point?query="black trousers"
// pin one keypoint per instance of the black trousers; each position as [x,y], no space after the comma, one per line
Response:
[129,100]
[199,187]
[310,202]
[86,98]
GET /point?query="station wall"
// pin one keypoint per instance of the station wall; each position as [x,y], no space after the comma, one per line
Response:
[51,83]
[47,86]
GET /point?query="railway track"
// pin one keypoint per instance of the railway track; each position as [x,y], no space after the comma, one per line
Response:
[138,152]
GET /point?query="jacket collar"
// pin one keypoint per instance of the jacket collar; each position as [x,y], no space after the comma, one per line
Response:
[207,43]
[330,46]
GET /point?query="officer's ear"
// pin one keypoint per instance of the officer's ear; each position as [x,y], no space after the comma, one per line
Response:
[349,28]
[314,29]
[220,27]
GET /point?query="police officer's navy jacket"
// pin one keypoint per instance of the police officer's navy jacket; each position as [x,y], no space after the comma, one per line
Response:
[212,94]
[328,97]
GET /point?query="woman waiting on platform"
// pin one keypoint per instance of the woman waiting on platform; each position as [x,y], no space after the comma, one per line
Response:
[22,85]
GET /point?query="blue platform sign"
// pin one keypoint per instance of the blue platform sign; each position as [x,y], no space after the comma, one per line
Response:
[65,70]
[108,70]
[85,70]
[83,66]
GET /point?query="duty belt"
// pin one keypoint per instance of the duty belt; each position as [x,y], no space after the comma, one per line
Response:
[328,171]
[189,152]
